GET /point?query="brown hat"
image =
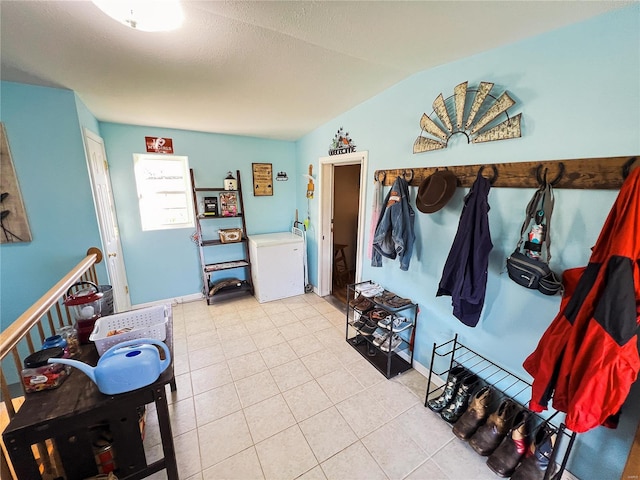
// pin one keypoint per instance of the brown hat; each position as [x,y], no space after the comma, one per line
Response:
[435,191]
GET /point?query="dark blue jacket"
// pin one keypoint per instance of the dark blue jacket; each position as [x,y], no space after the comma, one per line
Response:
[464,277]
[394,235]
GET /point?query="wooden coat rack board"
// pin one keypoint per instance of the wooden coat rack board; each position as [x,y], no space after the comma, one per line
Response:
[585,173]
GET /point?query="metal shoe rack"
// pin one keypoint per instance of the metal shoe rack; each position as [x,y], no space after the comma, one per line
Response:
[451,353]
[393,361]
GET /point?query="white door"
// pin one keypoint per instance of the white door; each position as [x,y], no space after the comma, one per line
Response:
[325,215]
[107,220]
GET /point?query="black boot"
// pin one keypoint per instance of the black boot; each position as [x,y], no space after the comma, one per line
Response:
[460,402]
[453,380]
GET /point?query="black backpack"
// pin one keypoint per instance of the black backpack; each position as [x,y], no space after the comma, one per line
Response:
[531,269]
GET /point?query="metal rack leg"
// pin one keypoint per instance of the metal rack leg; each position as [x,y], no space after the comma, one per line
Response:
[166,434]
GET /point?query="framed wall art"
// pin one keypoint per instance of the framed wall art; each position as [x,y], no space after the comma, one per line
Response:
[262,179]
[13,221]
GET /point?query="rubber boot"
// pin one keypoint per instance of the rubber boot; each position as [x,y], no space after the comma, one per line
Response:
[450,389]
[459,404]
[476,414]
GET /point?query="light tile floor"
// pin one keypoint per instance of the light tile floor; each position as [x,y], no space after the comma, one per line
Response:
[272,391]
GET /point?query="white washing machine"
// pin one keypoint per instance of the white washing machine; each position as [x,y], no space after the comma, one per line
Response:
[277,265]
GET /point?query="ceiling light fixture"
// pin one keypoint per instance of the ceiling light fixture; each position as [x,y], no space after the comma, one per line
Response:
[145,15]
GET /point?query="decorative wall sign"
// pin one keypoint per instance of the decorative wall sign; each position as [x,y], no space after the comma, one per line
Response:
[282,177]
[310,186]
[262,179]
[159,144]
[341,144]
[210,207]
[14,225]
[229,204]
[475,117]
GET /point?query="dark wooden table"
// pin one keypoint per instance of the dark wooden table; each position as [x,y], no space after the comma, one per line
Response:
[65,416]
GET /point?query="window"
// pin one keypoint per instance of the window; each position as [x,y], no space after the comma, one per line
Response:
[164,191]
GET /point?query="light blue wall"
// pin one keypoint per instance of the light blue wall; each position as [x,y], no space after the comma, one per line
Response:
[45,139]
[86,118]
[578,89]
[164,264]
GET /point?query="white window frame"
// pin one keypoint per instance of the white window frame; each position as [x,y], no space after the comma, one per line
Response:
[164,202]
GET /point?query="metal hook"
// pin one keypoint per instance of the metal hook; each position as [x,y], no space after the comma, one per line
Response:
[404,175]
[543,181]
[493,179]
[376,176]
[556,180]
[626,168]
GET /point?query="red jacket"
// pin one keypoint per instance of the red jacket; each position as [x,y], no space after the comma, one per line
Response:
[588,357]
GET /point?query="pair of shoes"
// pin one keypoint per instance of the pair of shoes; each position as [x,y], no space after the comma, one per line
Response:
[504,460]
[355,301]
[368,326]
[359,323]
[369,289]
[378,314]
[382,341]
[385,295]
[475,415]
[391,345]
[364,306]
[538,457]
[396,302]
[460,401]
[487,438]
[395,323]
[379,336]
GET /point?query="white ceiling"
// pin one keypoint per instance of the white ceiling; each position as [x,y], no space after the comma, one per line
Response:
[272,69]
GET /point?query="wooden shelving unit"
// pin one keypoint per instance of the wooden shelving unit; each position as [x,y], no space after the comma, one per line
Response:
[211,270]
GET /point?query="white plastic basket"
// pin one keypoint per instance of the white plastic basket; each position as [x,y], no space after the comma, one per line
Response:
[148,322]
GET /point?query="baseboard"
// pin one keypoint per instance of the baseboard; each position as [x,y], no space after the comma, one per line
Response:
[173,301]
[435,379]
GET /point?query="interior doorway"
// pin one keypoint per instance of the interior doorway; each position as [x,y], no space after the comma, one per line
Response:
[342,194]
[346,196]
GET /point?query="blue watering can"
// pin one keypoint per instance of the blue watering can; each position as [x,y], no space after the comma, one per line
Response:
[126,366]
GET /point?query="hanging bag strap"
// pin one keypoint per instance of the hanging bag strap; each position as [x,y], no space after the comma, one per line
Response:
[532,208]
[539,211]
[547,206]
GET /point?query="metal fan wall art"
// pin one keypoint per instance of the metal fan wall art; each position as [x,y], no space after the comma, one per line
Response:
[475,113]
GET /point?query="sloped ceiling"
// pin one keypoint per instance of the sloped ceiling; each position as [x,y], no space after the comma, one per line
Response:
[271,69]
